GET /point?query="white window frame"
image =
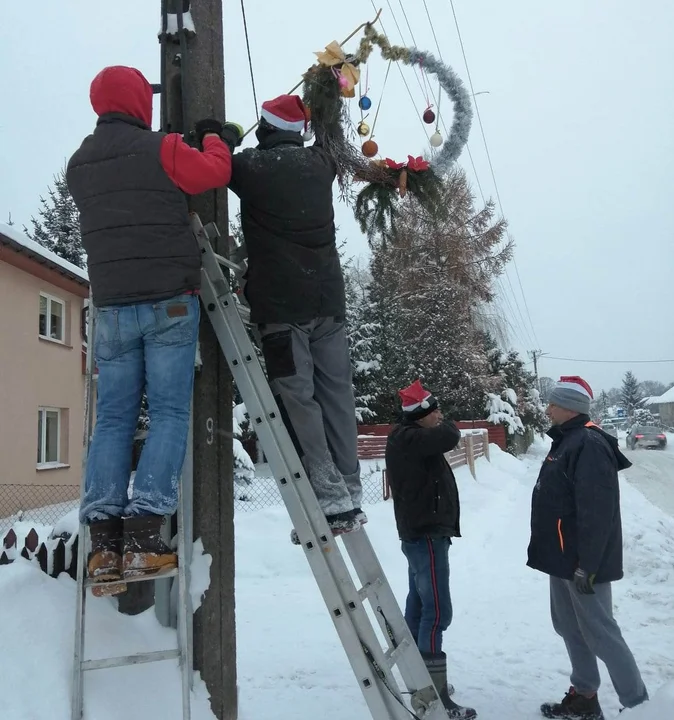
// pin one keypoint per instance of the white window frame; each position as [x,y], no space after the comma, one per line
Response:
[42,446]
[53,299]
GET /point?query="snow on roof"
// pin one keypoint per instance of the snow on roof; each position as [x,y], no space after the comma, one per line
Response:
[41,254]
[667,397]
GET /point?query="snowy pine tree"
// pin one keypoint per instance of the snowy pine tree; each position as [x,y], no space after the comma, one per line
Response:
[361,333]
[57,226]
[517,385]
[630,393]
[642,416]
[244,469]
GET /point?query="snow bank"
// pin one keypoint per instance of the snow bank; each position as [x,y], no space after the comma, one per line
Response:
[504,656]
[661,706]
[36,636]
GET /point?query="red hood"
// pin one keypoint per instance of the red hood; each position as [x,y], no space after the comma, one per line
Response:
[120,89]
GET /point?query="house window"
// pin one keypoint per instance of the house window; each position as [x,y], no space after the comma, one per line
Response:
[52,318]
[48,436]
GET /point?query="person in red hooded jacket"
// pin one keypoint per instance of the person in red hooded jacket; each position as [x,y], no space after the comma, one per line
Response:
[129,185]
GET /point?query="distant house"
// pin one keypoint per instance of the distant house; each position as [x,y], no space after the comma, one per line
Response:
[42,300]
[665,406]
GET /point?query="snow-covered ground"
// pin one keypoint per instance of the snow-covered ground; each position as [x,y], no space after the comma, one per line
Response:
[652,472]
[504,657]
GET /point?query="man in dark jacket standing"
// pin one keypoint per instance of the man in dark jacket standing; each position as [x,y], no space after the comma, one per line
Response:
[144,268]
[576,539]
[295,289]
[426,506]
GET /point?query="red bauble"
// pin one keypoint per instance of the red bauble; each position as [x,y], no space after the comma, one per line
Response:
[429,117]
[370,148]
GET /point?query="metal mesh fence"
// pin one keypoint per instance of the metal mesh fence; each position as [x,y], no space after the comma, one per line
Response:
[45,505]
[41,505]
[263,492]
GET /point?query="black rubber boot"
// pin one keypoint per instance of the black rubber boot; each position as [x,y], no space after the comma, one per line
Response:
[437,668]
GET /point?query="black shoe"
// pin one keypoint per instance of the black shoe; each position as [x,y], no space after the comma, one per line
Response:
[342,523]
[574,707]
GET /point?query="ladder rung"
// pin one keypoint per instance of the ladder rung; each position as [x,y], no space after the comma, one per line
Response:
[393,655]
[369,587]
[139,578]
[137,659]
[229,263]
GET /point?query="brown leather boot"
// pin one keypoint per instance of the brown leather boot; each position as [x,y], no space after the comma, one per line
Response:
[104,563]
[145,553]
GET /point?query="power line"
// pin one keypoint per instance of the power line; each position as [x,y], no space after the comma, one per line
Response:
[250,59]
[491,166]
[402,75]
[521,321]
[622,362]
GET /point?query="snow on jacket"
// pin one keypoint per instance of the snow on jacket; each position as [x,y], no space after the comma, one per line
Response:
[287,217]
[128,184]
[423,487]
[575,512]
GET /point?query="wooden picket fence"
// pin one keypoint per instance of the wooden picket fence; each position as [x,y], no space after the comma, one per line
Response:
[54,556]
[470,448]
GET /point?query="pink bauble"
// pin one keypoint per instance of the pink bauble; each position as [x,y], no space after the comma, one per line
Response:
[343,82]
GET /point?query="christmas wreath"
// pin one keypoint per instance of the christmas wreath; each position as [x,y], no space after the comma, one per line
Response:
[387,181]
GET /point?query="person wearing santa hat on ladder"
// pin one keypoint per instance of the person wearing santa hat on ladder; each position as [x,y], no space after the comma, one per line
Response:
[426,506]
[295,288]
[576,539]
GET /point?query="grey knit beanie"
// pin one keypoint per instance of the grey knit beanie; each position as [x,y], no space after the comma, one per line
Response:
[572,393]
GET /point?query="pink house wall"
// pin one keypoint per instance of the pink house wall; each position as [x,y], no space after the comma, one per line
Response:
[36,372]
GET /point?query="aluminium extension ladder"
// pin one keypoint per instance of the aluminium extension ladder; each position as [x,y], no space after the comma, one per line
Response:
[183,653]
[372,665]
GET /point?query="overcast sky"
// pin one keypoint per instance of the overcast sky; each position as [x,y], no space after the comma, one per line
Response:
[578,120]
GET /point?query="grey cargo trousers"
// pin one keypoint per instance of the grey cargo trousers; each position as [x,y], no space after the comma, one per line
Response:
[309,371]
[589,630]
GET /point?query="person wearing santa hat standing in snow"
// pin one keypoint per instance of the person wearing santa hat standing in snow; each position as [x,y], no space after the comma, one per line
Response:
[426,505]
[295,288]
[576,539]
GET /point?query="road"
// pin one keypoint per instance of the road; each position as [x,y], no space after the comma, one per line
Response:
[652,473]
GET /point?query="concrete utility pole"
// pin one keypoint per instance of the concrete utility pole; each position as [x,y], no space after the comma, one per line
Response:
[201,62]
[534,355]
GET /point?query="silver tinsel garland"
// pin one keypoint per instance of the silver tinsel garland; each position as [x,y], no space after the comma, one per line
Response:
[452,84]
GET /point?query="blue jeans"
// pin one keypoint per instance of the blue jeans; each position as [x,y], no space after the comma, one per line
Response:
[428,610]
[151,347]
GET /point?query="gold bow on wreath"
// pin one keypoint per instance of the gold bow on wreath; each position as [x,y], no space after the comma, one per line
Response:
[334,56]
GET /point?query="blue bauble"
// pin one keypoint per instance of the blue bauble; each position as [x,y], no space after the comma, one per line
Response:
[365,103]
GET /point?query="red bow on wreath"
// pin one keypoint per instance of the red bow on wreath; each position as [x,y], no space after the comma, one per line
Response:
[416,164]
[413,164]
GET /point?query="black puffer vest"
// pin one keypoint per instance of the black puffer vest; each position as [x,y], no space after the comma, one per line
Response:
[134,220]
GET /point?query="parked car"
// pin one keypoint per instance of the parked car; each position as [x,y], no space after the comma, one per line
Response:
[611,429]
[647,436]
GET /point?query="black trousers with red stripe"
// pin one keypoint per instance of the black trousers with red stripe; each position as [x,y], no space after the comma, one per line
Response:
[428,610]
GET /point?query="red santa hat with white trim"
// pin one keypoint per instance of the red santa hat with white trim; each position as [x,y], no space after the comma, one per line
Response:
[572,393]
[417,402]
[286,112]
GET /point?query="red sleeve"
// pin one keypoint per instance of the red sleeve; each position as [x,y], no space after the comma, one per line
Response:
[192,171]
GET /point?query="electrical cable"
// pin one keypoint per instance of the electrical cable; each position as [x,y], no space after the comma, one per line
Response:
[250,60]
[491,166]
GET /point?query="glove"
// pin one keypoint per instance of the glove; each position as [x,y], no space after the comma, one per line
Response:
[232,134]
[584,582]
[208,125]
